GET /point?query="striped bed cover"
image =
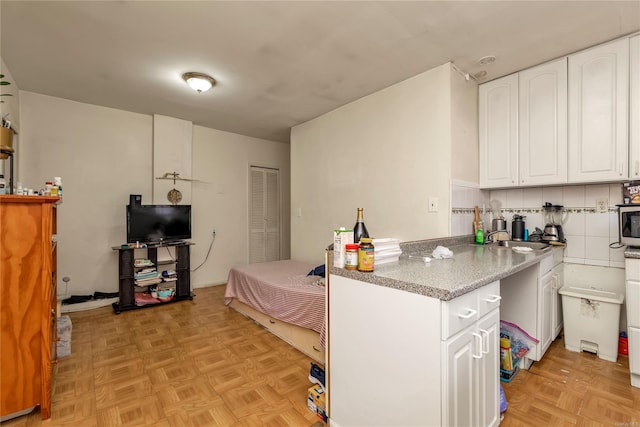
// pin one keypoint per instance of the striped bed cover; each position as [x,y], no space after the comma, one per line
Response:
[280,289]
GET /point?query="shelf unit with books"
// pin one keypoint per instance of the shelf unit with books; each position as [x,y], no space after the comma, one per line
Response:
[128,269]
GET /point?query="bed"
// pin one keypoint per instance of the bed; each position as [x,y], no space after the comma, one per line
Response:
[280,296]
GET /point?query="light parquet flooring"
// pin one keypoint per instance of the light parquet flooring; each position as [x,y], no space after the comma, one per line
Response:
[567,388]
[193,363]
[202,364]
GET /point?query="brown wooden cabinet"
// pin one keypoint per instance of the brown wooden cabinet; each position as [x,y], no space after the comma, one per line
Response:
[27,302]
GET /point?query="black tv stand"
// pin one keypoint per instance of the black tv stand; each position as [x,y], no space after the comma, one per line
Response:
[172,243]
[127,269]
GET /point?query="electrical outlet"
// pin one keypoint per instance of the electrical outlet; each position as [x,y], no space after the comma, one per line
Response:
[433,204]
[602,205]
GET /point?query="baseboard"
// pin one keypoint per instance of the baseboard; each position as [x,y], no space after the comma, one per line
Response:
[88,305]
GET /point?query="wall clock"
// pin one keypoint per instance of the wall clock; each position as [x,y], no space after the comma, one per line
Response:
[174,196]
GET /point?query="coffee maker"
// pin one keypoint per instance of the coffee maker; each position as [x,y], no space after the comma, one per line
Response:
[554,216]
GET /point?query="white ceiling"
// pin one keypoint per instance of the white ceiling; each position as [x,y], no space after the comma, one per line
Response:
[279,64]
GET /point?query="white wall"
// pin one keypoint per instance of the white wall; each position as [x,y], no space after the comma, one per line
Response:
[222,160]
[464,129]
[464,197]
[103,155]
[387,152]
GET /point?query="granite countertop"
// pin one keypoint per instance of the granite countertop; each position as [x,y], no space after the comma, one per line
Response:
[471,267]
[632,252]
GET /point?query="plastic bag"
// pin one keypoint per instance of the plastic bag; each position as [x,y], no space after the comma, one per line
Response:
[503,400]
[521,341]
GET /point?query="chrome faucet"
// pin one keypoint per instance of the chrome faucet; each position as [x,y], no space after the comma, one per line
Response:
[489,236]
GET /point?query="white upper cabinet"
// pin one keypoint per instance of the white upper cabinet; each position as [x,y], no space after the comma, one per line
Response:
[598,113]
[498,132]
[523,128]
[634,105]
[542,124]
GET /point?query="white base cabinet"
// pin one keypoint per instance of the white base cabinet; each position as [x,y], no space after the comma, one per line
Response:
[470,377]
[556,302]
[632,272]
[530,299]
[398,358]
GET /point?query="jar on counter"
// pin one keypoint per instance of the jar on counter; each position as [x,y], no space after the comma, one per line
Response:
[365,255]
[351,257]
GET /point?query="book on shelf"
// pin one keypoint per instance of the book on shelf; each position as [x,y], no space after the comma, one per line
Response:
[147,282]
[146,274]
[142,262]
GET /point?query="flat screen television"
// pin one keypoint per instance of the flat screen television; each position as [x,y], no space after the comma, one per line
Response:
[158,223]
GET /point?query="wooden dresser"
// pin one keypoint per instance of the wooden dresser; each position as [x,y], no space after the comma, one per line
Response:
[27,302]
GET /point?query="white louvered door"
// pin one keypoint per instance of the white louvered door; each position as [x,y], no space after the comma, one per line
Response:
[264,215]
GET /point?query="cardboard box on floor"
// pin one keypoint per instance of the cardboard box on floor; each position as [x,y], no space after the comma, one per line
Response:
[316,401]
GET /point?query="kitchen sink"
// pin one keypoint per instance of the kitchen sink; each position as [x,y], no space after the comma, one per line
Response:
[537,246]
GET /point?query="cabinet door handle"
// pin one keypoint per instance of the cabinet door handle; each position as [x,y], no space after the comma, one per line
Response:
[485,341]
[477,338]
[493,299]
[471,313]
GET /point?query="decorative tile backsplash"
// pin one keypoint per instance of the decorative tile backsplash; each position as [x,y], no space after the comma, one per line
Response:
[588,230]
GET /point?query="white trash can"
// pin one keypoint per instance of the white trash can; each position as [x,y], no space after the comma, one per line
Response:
[591,320]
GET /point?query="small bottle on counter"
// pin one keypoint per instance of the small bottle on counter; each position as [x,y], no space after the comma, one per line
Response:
[359,230]
[366,255]
[47,188]
[351,257]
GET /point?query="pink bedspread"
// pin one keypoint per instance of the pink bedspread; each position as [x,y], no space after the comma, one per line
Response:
[280,289]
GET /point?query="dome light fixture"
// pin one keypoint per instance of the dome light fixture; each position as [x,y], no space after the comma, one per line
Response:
[198,81]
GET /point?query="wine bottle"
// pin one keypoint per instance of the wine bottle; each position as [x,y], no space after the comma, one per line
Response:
[359,230]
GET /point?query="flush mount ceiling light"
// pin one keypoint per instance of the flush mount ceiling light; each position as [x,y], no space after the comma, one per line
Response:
[198,81]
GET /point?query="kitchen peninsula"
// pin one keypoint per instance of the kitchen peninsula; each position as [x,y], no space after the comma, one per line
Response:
[416,343]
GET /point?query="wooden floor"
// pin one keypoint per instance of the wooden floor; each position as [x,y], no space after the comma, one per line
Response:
[201,364]
[568,388]
[184,364]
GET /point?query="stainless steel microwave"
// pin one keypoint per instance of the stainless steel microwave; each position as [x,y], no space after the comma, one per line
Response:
[629,224]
